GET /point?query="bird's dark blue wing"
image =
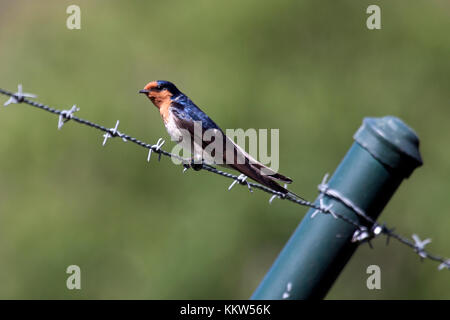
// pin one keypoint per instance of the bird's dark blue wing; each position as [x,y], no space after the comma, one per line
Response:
[186,110]
[186,113]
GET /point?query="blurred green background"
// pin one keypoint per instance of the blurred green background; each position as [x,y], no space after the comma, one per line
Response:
[145,230]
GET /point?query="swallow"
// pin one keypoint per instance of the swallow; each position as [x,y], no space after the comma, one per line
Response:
[180,115]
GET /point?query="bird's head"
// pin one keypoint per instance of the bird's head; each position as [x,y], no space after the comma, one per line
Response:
[160,92]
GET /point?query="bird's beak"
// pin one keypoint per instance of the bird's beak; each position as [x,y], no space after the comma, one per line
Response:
[144,91]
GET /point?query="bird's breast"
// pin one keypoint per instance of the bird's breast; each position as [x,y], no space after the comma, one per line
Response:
[164,110]
[171,127]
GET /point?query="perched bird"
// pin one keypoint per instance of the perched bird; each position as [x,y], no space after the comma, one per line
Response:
[180,115]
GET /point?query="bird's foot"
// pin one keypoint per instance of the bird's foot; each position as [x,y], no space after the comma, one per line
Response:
[193,164]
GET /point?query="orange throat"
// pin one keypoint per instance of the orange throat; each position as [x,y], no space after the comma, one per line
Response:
[162,101]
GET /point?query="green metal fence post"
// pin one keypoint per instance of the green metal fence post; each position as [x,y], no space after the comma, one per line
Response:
[385,152]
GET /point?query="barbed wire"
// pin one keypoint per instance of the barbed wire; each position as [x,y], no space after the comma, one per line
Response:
[364,232]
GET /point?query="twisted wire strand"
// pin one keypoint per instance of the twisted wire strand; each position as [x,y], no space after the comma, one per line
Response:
[382,229]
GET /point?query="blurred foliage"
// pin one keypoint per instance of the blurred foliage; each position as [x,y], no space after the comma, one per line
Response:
[146,231]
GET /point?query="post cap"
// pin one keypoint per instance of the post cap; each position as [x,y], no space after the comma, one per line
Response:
[391,142]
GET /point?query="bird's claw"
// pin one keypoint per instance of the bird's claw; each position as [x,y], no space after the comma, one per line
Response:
[194,165]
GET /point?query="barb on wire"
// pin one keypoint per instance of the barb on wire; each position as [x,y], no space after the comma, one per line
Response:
[66,115]
[19,96]
[158,146]
[363,233]
[445,264]
[242,180]
[113,132]
[420,245]
[323,209]
[272,198]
